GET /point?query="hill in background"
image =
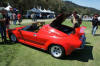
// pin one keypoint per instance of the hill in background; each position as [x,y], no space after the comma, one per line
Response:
[69,7]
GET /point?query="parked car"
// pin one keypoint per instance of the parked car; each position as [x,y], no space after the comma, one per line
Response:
[56,38]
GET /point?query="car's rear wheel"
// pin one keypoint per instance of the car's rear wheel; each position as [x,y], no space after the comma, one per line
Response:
[57,51]
[13,38]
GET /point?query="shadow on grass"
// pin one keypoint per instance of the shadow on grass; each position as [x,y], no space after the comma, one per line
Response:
[97,34]
[7,43]
[83,55]
[88,43]
[36,48]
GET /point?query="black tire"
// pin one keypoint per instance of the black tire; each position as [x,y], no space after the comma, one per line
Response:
[13,38]
[57,51]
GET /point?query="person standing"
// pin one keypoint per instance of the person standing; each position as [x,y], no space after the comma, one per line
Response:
[14,18]
[1,21]
[4,21]
[32,16]
[11,17]
[19,18]
[35,17]
[94,24]
[76,20]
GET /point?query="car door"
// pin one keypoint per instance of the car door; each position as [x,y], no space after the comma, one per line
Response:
[41,38]
[33,37]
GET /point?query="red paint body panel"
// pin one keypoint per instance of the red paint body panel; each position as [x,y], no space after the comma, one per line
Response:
[54,33]
[47,36]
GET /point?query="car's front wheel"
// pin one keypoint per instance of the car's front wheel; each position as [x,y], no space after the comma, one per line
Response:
[57,51]
[13,38]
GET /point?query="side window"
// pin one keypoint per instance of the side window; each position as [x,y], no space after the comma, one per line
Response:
[27,27]
[31,28]
[34,27]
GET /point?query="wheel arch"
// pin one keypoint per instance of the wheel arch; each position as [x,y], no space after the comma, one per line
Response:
[9,35]
[61,47]
[54,44]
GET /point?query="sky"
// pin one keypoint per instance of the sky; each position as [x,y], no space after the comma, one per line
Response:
[87,3]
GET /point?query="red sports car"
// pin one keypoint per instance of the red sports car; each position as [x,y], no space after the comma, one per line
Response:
[56,38]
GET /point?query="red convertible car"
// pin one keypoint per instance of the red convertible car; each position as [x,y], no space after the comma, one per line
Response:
[56,38]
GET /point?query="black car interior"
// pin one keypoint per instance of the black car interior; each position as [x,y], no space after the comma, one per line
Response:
[57,23]
[65,29]
[34,27]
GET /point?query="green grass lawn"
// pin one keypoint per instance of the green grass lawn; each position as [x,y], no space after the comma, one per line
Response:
[17,54]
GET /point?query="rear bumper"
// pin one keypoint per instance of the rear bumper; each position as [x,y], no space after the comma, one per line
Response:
[83,39]
[80,45]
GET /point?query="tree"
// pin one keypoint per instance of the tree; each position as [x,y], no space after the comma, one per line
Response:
[58,6]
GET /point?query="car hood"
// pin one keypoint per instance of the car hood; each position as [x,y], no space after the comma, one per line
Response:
[61,18]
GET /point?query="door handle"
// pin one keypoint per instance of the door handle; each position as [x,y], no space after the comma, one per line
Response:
[34,35]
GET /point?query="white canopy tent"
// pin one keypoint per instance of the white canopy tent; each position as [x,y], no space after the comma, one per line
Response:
[8,8]
[47,11]
[41,12]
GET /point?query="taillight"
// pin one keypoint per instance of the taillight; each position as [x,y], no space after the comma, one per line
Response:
[80,31]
